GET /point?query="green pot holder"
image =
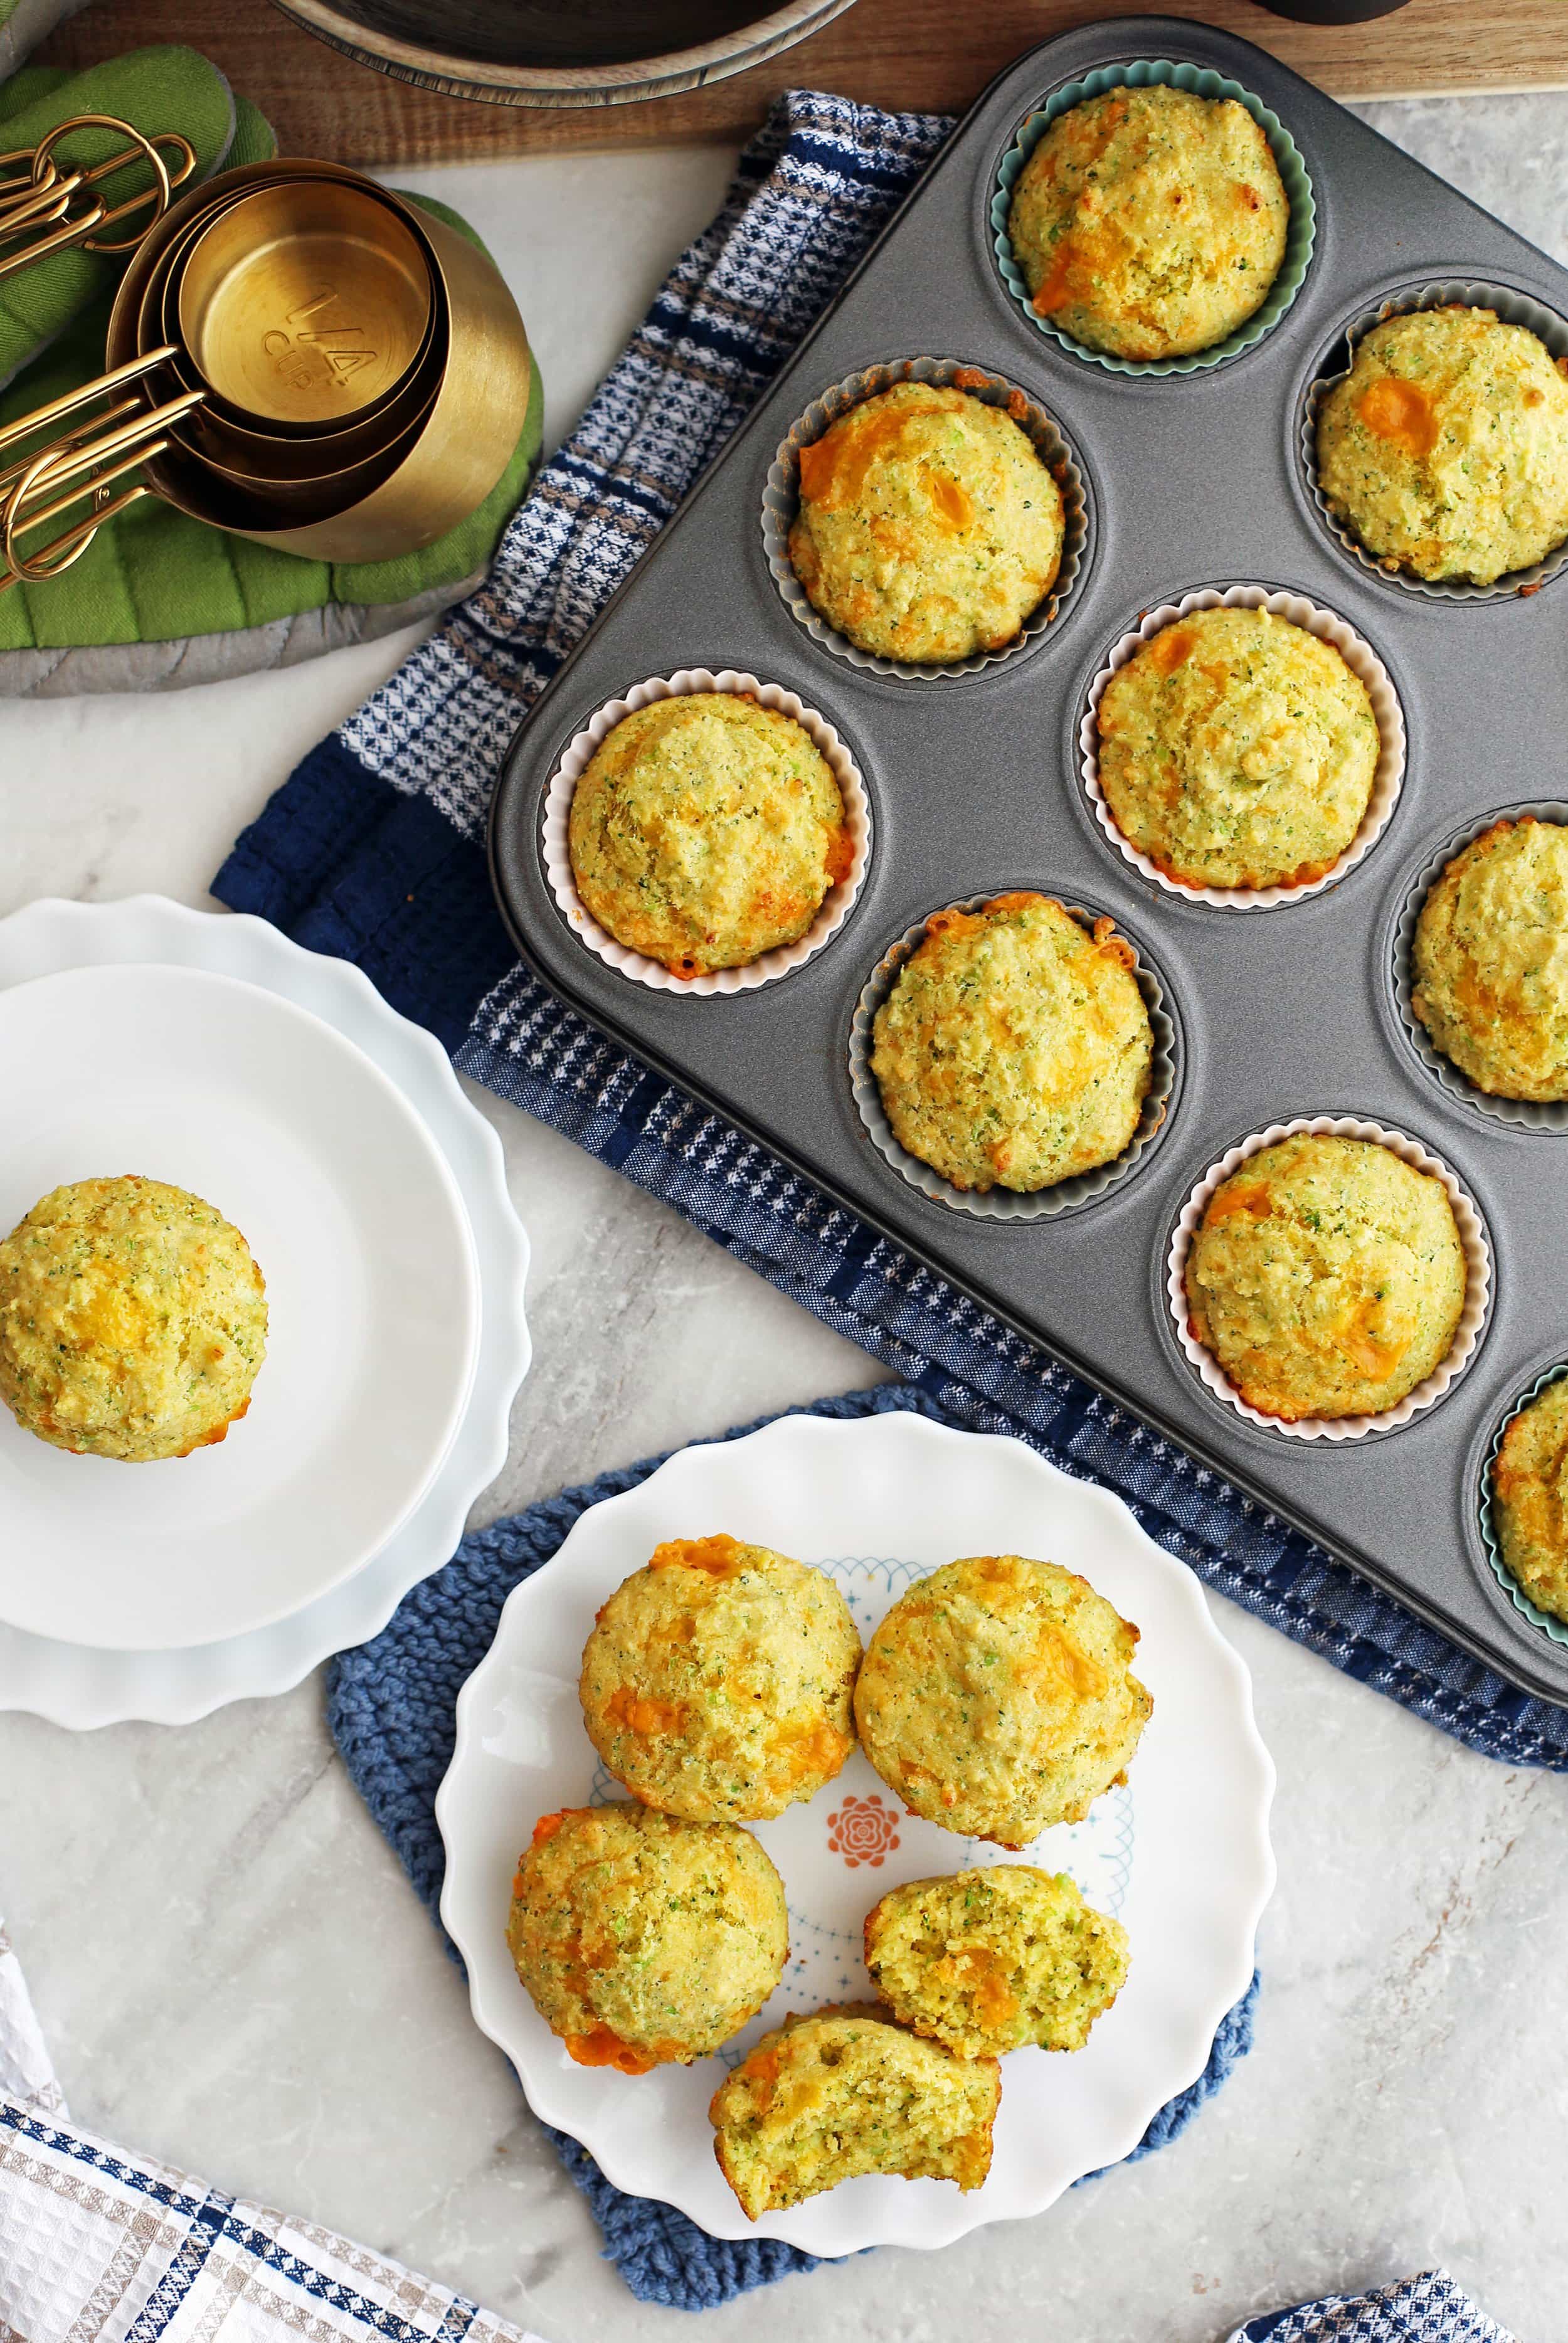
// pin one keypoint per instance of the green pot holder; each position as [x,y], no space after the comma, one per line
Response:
[159,600]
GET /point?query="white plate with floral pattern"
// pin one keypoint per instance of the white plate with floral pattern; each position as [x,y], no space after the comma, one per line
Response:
[1180,1855]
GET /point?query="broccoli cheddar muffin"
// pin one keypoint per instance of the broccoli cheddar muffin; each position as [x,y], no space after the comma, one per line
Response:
[708,830]
[1444,449]
[830,2097]
[717,1680]
[929,527]
[643,1939]
[1238,750]
[997,1697]
[1327,1277]
[132,1321]
[1530,1498]
[1490,960]
[1150,223]
[989,1961]
[1014,1049]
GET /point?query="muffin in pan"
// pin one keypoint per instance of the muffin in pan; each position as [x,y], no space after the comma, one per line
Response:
[997,1697]
[132,1321]
[1445,448]
[929,526]
[644,1940]
[717,1680]
[1530,1498]
[707,830]
[992,1960]
[848,2091]
[1327,1277]
[1014,1047]
[1236,750]
[1150,223]
[1489,960]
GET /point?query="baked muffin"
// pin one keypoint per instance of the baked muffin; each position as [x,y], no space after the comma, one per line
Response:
[1238,750]
[1014,1049]
[132,1321]
[997,1697]
[717,1680]
[1150,223]
[1327,1277]
[1530,1499]
[847,2092]
[1444,449]
[642,1940]
[929,527]
[708,830]
[991,1961]
[1490,960]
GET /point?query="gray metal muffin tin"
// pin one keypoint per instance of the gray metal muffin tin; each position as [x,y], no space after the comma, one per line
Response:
[1193,480]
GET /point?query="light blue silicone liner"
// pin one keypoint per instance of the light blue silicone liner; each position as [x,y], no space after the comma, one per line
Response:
[1142,74]
[1556,1628]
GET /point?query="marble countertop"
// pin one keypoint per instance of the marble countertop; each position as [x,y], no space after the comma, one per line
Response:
[227,1960]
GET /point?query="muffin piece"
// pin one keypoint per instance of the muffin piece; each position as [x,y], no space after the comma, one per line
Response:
[1150,223]
[1445,446]
[1238,750]
[708,830]
[1327,1277]
[1530,1498]
[989,1961]
[642,1940]
[1491,961]
[1014,1049]
[997,1697]
[717,1680]
[847,2092]
[929,527]
[132,1321]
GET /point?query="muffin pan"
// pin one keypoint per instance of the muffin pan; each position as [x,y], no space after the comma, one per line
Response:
[1192,481]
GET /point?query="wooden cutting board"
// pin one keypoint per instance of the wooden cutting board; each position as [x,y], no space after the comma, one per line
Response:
[930,55]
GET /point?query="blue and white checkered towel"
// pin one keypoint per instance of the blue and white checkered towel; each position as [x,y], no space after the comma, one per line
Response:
[374,850]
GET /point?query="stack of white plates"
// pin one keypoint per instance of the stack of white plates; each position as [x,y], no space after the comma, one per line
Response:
[211,1052]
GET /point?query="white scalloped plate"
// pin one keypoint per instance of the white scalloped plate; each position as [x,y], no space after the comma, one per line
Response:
[1182,1854]
[81,1687]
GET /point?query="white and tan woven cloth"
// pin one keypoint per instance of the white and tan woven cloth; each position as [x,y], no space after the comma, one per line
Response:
[97,2245]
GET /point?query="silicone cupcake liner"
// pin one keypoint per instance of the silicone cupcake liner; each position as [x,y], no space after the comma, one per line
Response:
[1524,1115]
[1557,1629]
[1144,73]
[1358,655]
[1005,1203]
[771,965]
[1515,309]
[781,503]
[1477,1287]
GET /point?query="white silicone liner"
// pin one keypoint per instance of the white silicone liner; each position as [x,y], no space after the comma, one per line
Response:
[1359,657]
[1522,1114]
[837,904]
[1001,1204]
[1472,1318]
[1513,309]
[781,504]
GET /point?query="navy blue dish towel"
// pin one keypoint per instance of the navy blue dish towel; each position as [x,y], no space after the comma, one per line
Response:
[391,1708]
[374,850]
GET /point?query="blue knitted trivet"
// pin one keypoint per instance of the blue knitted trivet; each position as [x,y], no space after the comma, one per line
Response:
[374,850]
[391,1706]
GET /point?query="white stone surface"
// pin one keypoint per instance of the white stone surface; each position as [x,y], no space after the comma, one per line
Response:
[228,1962]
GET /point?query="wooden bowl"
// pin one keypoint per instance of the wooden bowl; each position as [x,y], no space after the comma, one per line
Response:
[561,52]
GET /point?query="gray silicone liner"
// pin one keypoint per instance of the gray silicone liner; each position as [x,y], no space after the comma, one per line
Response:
[1522,1114]
[1005,1203]
[1556,1629]
[781,503]
[1515,309]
